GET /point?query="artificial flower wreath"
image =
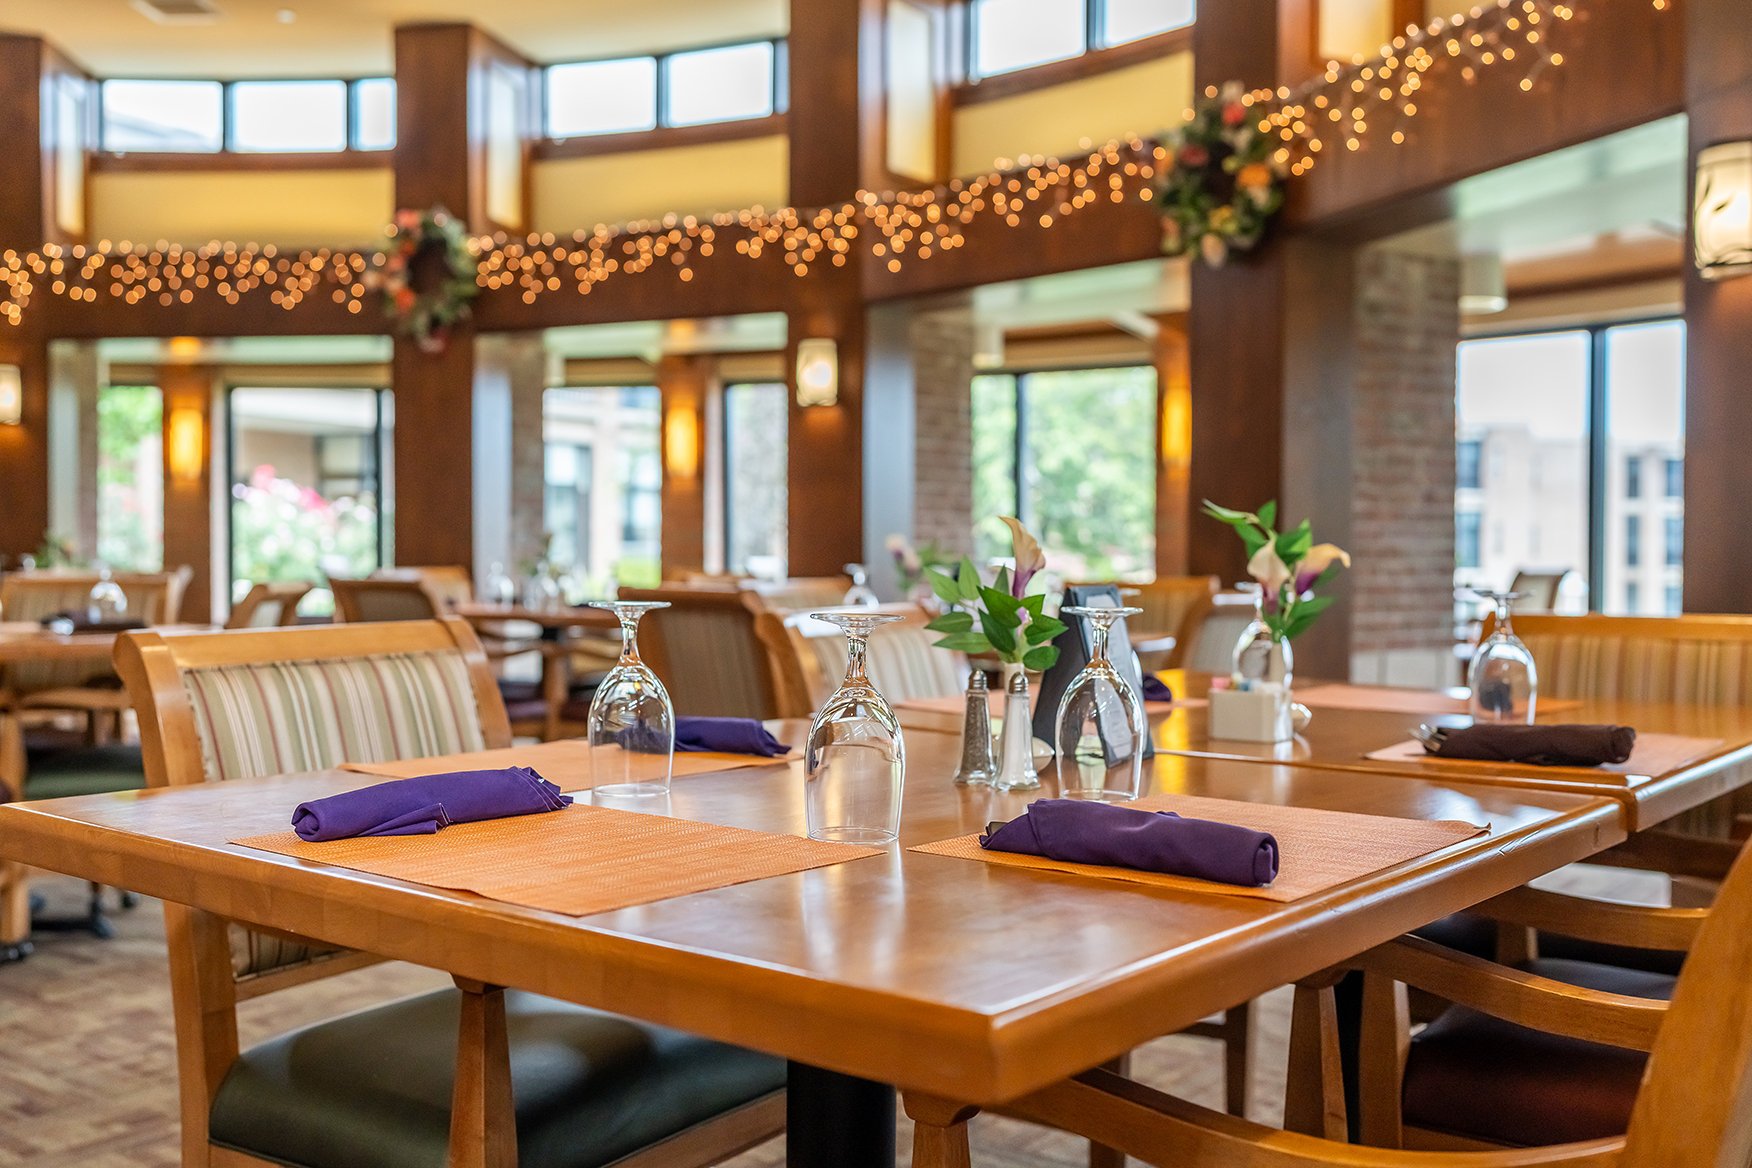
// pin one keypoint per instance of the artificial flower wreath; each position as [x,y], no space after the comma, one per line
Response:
[1222,183]
[427,276]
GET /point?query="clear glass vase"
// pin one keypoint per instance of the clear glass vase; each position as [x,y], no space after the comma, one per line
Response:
[632,723]
[1502,676]
[1101,724]
[856,763]
[1261,655]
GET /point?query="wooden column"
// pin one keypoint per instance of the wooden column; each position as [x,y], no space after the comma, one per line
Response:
[188,481]
[24,448]
[837,40]
[683,383]
[1173,444]
[1718,331]
[447,78]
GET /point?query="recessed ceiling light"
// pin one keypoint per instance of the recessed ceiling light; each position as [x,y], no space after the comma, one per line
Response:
[286,16]
[178,11]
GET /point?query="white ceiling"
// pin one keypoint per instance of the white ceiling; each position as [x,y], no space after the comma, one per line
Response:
[352,38]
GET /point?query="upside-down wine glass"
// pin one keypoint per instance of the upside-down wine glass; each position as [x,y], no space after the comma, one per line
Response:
[1503,678]
[1101,726]
[856,764]
[632,723]
[106,602]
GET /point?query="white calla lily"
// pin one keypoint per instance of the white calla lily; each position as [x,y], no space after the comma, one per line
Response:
[1268,568]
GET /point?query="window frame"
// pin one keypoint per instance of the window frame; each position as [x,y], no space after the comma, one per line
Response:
[1097,57]
[351,154]
[779,81]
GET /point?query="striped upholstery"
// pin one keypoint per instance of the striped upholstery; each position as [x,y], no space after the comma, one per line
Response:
[1643,669]
[287,716]
[900,660]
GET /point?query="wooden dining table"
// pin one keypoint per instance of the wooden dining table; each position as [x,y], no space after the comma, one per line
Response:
[1343,738]
[945,977]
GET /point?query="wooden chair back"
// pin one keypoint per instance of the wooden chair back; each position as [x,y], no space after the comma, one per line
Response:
[800,593]
[447,584]
[718,653]
[267,604]
[246,702]
[153,597]
[901,659]
[362,601]
[1174,606]
[1701,659]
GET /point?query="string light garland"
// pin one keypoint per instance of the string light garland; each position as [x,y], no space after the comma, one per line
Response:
[1337,110]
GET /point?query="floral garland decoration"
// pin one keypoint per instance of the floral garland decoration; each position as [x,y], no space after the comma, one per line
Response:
[1223,183]
[427,276]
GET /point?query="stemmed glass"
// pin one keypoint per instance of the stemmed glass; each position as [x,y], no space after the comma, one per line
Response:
[1101,726]
[632,723]
[1504,681]
[106,602]
[856,763]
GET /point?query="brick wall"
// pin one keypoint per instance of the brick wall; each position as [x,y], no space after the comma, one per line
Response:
[1402,512]
[942,351]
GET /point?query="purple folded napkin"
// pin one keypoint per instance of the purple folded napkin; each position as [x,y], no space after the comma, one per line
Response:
[727,736]
[1572,746]
[1156,690]
[1080,832]
[421,806]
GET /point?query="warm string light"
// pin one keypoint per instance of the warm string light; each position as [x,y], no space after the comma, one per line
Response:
[1336,109]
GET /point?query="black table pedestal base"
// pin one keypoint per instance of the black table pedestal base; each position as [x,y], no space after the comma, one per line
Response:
[837,1121]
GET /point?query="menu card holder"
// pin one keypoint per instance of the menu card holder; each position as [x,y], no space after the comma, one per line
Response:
[1074,648]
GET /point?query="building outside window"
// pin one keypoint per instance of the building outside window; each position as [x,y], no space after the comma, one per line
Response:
[1631,606]
[1632,541]
[602,500]
[1466,539]
[1675,541]
[1675,599]
[130,478]
[1675,478]
[756,420]
[1466,459]
[1633,477]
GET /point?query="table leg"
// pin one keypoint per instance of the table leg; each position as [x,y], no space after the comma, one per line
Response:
[837,1121]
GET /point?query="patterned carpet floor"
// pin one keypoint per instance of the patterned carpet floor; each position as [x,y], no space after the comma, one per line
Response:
[88,1057]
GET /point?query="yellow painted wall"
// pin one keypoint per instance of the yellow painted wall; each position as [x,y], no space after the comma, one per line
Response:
[288,208]
[1140,99]
[569,193]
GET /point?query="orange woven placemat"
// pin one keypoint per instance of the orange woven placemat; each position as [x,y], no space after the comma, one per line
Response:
[1317,849]
[1653,755]
[578,861]
[565,763]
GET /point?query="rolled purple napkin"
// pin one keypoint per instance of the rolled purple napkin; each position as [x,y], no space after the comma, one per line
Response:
[708,735]
[1156,690]
[1081,832]
[1572,746]
[421,806]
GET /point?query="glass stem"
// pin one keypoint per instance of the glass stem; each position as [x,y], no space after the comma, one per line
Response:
[629,623]
[1098,637]
[855,643]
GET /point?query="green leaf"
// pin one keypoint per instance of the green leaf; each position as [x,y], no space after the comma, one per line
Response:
[1002,637]
[1002,583]
[943,586]
[1251,540]
[972,642]
[1041,657]
[1293,545]
[1043,629]
[1234,518]
[1002,604]
[1332,569]
[1035,604]
[968,582]
[952,622]
[1268,514]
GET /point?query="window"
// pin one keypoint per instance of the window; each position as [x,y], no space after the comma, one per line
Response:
[1631,596]
[374,114]
[1466,539]
[288,116]
[1633,477]
[1641,379]
[603,497]
[602,97]
[307,487]
[1014,34]
[1675,541]
[718,85]
[756,420]
[1131,20]
[1072,453]
[1675,600]
[1466,465]
[130,478]
[182,116]
[1675,478]
[1632,541]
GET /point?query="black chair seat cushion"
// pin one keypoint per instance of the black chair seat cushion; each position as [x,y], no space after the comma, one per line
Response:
[372,1090]
[1470,933]
[1472,1075]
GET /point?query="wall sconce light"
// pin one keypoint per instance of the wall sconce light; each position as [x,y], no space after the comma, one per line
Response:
[1722,214]
[11,395]
[817,372]
[184,443]
[681,441]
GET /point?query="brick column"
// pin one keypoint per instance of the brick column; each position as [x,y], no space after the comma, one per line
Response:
[942,353]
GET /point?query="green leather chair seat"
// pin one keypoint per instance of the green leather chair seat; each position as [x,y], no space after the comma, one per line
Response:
[372,1090]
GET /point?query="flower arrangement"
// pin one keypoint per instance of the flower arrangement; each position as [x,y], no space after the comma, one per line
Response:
[1288,566]
[910,562]
[1223,182]
[427,276]
[1010,624]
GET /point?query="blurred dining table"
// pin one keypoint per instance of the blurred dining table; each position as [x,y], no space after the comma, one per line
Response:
[947,977]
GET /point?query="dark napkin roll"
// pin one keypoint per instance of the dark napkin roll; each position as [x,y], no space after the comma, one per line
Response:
[421,806]
[69,622]
[727,736]
[1571,746]
[1081,832]
[1156,690]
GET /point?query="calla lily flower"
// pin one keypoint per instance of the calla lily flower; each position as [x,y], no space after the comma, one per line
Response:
[1318,559]
[1270,570]
[1029,558]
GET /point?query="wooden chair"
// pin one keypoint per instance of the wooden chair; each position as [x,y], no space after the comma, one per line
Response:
[719,653]
[448,584]
[269,603]
[232,705]
[1174,606]
[800,593]
[1703,659]
[1693,1108]
[902,660]
[359,601]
